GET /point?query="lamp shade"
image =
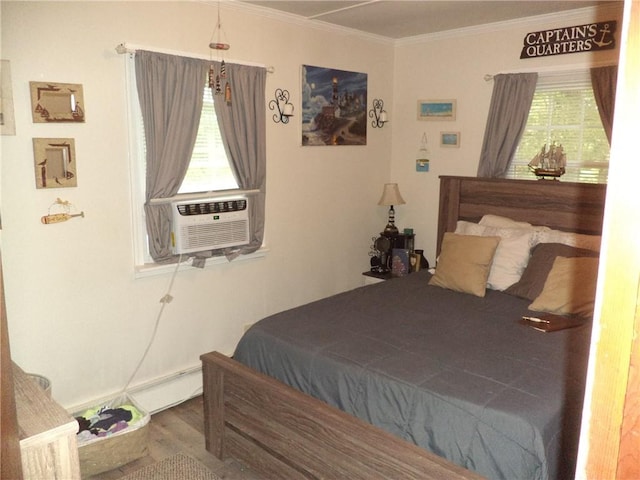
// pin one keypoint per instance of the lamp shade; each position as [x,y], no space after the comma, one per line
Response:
[391,195]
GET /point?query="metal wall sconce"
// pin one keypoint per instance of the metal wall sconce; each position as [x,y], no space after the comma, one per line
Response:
[282,105]
[378,114]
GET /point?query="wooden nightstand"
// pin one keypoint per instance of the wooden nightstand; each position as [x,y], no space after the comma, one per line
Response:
[374,277]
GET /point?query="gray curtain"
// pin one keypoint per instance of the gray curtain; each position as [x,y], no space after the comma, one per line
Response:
[510,103]
[242,125]
[603,82]
[170,92]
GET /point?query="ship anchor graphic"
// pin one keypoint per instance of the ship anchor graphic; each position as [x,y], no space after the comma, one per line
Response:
[601,43]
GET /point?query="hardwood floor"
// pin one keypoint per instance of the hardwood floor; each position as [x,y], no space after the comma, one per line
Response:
[180,429]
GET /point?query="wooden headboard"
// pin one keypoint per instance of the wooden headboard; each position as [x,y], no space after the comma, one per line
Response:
[572,207]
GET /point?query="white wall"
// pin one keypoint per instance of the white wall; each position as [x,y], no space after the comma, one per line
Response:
[453,66]
[76,313]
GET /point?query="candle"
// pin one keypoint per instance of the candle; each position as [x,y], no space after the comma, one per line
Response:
[288,110]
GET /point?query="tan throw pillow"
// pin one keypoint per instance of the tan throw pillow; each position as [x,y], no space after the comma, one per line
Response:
[570,287]
[464,263]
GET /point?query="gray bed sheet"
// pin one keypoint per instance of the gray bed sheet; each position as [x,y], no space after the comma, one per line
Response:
[453,373]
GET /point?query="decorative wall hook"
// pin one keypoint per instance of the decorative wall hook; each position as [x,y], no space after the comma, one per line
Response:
[378,114]
[422,158]
[62,214]
[282,105]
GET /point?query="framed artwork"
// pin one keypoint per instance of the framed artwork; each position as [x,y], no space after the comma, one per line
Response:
[399,262]
[334,107]
[7,119]
[450,139]
[55,162]
[56,102]
[436,109]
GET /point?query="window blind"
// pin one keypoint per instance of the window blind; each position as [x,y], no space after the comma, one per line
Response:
[564,111]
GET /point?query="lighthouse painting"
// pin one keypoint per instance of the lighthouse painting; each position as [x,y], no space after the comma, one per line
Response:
[334,107]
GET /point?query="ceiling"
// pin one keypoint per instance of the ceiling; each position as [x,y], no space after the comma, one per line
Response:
[397,19]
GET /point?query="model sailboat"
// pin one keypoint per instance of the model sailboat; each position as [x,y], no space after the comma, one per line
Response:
[549,163]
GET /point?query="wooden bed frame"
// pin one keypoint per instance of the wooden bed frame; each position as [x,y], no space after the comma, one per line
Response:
[283,433]
[572,207]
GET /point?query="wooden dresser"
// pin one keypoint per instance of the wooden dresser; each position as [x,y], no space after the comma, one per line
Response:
[47,432]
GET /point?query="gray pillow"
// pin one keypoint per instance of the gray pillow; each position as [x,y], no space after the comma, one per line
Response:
[543,255]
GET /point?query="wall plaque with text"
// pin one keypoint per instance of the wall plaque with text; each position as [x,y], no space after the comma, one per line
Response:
[560,41]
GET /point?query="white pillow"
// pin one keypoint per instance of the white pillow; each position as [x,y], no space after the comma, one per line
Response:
[545,234]
[512,254]
[578,240]
[468,228]
[502,222]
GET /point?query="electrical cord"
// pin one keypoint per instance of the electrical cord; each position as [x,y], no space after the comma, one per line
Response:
[167,298]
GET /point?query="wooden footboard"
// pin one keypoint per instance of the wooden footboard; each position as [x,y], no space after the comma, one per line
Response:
[284,433]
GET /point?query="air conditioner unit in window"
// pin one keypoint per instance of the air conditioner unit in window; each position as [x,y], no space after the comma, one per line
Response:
[209,224]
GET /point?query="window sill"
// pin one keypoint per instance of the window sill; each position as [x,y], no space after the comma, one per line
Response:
[151,269]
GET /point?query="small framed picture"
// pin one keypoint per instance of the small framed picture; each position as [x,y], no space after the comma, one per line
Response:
[7,119]
[55,162]
[450,139]
[399,262]
[436,109]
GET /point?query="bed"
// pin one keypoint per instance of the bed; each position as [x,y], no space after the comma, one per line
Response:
[407,379]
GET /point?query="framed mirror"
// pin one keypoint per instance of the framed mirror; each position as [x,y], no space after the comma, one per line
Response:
[55,162]
[56,102]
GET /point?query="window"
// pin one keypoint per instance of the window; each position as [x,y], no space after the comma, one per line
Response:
[564,111]
[179,76]
[209,169]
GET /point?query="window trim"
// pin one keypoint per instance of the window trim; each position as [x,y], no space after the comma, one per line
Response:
[153,269]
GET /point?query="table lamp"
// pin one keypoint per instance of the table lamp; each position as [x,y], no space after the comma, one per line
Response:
[391,196]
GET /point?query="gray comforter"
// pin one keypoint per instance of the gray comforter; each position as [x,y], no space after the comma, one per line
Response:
[450,372]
